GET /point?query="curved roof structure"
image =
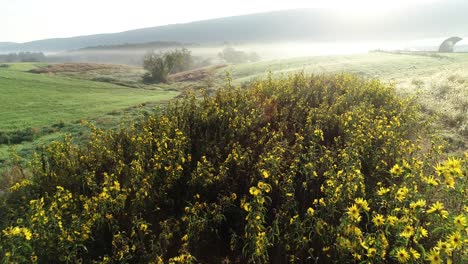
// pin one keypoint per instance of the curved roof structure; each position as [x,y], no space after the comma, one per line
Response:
[447,45]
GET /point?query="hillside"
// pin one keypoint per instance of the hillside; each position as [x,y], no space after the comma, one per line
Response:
[37,108]
[6,44]
[423,21]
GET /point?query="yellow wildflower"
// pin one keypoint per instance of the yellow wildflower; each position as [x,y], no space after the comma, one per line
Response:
[434,256]
[414,253]
[402,255]
[392,219]
[247,207]
[371,252]
[455,240]
[143,227]
[423,232]
[353,211]
[362,203]
[431,180]
[383,191]
[310,211]
[401,194]
[378,220]
[459,221]
[254,191]
[261,185]
[449,181]
[407,232]
[437,206]
[419,203]
[439,168]
[357,256]
[444,246]
[453,163]
[396,170]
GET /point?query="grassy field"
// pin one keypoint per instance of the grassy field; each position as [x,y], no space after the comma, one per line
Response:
[386,66]
[52,103]
[32,102]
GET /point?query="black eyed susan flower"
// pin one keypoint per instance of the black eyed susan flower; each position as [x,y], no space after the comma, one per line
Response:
[392,220]
[459,221]
[378,220]
[407,232]
[353,212]
[396,170]
[362,203]
[434,256]
[402,255]
[455,240]
[254,191]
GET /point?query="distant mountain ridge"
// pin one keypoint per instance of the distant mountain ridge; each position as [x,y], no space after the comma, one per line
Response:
[6,44]
[440,19]
[146,46]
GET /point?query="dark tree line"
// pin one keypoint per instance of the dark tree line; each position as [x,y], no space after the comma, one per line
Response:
[23,57]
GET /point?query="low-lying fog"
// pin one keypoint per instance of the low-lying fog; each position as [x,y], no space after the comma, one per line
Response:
[266,51]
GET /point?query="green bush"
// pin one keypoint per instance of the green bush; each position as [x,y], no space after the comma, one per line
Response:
[231,55]
[321,169]
[18,136]
[160,65]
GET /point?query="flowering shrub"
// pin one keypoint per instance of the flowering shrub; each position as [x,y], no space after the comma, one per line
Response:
[305,169]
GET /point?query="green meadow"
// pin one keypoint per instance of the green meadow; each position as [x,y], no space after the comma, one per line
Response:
[32,102]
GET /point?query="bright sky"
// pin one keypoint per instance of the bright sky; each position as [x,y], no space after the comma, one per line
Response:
[27,20]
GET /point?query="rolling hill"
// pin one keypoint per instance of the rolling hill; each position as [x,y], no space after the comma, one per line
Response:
[6,44]
[440,19]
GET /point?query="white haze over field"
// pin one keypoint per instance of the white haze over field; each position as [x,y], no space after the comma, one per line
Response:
[302,49]
[267,51]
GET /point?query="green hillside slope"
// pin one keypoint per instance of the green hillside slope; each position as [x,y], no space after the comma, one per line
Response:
[38,108]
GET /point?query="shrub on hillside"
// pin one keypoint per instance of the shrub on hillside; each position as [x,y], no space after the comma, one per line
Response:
[305,169]
[160,65]
[231,55]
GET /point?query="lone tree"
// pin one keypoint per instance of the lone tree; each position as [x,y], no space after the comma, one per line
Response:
[159,65]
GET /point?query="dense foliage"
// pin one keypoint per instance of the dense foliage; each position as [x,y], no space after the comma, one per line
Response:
[298,170]
[160,65]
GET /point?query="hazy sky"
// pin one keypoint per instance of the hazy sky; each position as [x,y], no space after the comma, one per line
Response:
[26,20]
